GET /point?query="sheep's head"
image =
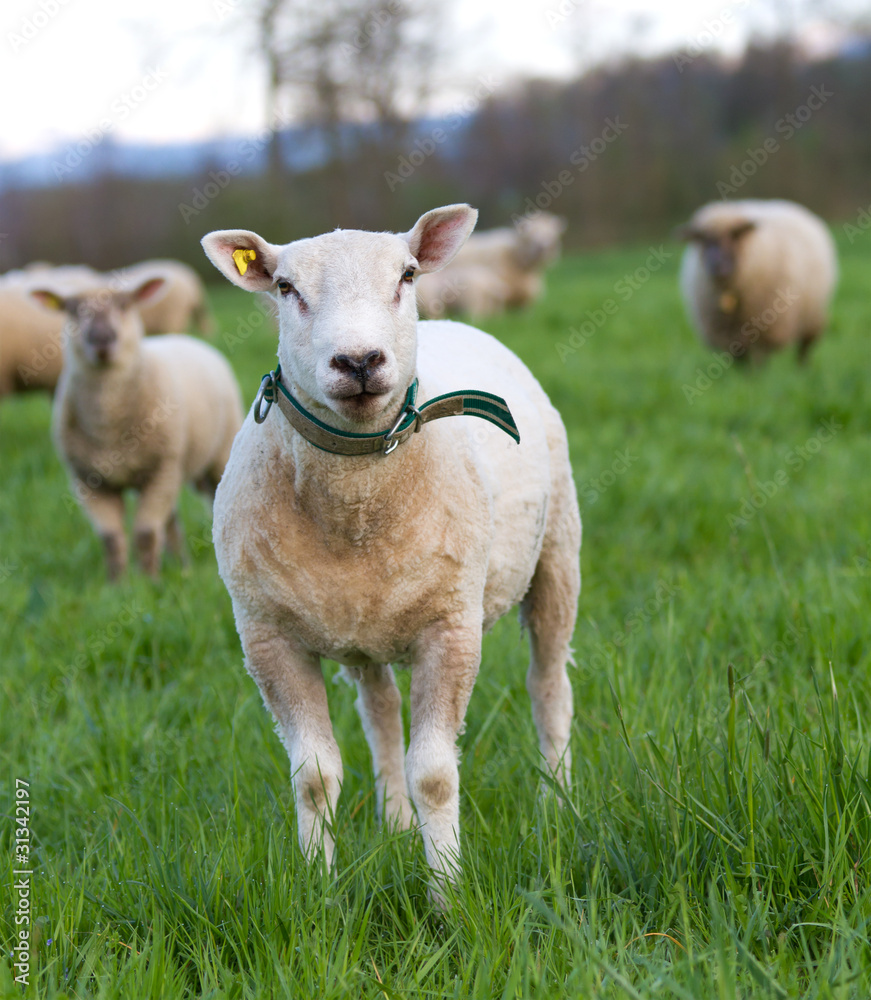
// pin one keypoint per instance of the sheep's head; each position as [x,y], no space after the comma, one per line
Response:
[719,244]
[103,327]
[539,240]
[346,306]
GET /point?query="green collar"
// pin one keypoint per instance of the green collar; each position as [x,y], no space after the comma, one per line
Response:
[410,420]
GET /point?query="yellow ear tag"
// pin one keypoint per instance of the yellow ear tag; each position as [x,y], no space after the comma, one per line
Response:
[728,302]
[242,256]
[49,300]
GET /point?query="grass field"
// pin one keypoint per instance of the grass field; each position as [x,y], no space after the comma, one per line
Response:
[716,842]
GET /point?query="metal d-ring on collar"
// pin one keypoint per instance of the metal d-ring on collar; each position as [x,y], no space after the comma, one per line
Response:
[391,440]
[469,402]
[266,393]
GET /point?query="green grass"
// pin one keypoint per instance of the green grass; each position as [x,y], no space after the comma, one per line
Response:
[715,844]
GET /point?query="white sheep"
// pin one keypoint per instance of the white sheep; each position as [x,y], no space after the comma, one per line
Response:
[182,306]
[131,413]
[408,553]
[498,269]
[31,349]
[475,291]
[758,276]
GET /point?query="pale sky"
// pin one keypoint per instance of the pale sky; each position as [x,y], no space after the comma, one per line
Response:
[176,70]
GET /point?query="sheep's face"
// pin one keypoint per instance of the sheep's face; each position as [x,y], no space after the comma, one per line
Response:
[348,320]
[719,247]
[104,327]
[346,307]
[539,242]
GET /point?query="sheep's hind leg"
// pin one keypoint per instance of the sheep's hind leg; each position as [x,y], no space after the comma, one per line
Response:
[380,706]
[550,609]
[292,686]
[805,343]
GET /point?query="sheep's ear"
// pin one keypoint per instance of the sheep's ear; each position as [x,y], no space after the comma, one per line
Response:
[149,290]
[686,233]
[49,299]
[243,257]
[742,229]
[438,235]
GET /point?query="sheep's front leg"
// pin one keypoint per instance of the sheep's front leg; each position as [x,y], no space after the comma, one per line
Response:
[105,511]
[380,706]
[292,685]
[442,678]
[157,503]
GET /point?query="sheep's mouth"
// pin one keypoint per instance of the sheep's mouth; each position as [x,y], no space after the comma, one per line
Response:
[360,405]
[101,357]
[358,392]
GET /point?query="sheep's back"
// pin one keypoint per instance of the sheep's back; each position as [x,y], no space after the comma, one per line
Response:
[518,478]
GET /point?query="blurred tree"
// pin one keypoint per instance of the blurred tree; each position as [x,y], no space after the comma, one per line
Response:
[361,70]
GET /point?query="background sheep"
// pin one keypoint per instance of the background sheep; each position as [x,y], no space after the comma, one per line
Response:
[475,290]
[140,414]
[181,307]
[757,276]
[401,558]
[31,350]
[495,270]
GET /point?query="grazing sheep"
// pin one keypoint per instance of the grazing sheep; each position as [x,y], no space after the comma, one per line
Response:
[757,276]
[475,291]
[499,269]
[407,553]
[31,349]
[138,414]
[181,307]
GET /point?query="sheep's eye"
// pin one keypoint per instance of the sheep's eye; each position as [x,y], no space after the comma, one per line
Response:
[285,287]
[408,275]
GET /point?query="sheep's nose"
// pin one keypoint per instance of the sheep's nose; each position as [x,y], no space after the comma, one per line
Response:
[360,366]
[101,336]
